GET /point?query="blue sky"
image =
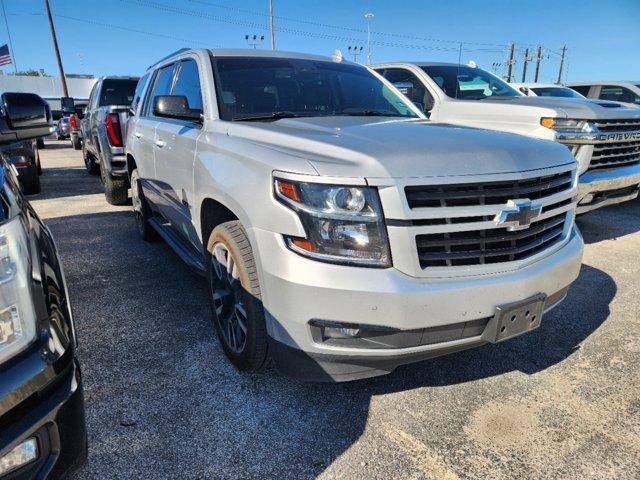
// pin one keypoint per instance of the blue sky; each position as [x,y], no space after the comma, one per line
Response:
[122,37]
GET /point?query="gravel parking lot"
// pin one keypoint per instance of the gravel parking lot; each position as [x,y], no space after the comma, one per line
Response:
[163,402]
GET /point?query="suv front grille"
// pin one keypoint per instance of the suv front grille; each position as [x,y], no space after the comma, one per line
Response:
[618,125]
[615,154]
[487,193]
[478,247]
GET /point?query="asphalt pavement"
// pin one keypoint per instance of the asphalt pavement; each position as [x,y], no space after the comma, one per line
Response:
[163,402]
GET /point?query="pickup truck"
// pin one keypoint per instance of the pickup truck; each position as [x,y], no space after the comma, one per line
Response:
[42,423]
[611,90]
[546,90]
[341,233]
[102,125]
[604,137]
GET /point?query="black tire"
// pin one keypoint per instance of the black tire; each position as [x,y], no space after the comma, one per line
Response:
[30,182]
[90,162]
[76,142]
[38,164]
[244,301]
[141,210]
[116,190]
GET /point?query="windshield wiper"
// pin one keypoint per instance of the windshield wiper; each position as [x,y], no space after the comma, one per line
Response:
[269,116]
[371,113]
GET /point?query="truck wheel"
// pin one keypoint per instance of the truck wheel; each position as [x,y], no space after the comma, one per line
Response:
[90,162]
[234,295]
[115,189]
[142,210]
[75,141]
[30,182]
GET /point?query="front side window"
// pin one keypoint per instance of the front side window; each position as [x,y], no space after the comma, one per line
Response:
[582,89]
[161,86]
[264,88]
[188,84]
[467,83]
[556,92]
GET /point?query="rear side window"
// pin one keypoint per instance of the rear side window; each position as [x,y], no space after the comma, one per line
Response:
[618,94]
[137,95]
[117,92]
[161,86]
[188,84]
[410,85]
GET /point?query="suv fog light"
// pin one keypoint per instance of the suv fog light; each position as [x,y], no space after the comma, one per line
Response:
[24,453]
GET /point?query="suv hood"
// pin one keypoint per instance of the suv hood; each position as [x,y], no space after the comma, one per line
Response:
[385,148]
[578,108]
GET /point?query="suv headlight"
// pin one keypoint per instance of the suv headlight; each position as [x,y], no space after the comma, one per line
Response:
[344,224]
[17,316]
[566,124]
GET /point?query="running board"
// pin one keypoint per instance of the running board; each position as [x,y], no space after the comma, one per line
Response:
[187,254]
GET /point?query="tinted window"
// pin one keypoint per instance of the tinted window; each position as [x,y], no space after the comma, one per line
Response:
[556,92]
[618,94]
[161,85]
[137,95]
[188,84]
[582,90]
[410,85]
[117,92]
[466,83]
[262,86]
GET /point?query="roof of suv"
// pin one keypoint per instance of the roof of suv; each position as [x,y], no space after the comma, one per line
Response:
[606,82]
[424,64]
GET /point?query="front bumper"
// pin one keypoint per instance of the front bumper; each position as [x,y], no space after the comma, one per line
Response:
[297,290]
[55,417]
[599,188]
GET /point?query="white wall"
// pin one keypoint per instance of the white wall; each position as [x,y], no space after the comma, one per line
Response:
[46,86]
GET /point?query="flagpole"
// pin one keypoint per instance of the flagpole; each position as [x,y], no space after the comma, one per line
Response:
[13,54]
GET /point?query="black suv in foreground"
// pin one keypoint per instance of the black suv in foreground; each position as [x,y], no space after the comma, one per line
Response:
[42,426]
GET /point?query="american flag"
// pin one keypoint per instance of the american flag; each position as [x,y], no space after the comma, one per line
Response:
[5,56]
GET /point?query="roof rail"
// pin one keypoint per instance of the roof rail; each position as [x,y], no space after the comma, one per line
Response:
[184,49]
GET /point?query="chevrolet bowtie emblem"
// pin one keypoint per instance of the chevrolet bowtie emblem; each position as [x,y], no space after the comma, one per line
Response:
[518,214]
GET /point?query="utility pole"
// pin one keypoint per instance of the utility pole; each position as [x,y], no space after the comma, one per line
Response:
[538,60]
[355,51]
[524,67]
[511,62]
[254,40]
[562,55]
[271,26]
[63,79]
[13,54]
[368,17]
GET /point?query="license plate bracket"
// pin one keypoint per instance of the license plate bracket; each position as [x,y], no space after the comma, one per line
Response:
[513,319]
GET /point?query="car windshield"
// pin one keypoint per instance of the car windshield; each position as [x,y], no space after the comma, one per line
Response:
[117,92]
[556,92]
[468,83]
[250,88]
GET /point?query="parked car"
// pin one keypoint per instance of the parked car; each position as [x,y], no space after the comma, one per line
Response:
[103,134]
[603,136]
[626,92]
[26,159]
[341,233]
[546,90]
[63,129]
[42,433]
[75,132]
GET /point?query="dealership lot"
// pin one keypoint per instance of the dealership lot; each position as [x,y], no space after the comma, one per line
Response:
[163,401]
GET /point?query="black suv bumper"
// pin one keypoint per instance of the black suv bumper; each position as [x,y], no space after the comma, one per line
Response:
[54,416]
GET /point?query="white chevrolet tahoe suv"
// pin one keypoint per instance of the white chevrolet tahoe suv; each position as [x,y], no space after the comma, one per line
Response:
[341,233]
[604,137]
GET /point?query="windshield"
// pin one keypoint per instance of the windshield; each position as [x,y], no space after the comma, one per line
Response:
[467,83]
[556,92]
[250,88]
[117,92]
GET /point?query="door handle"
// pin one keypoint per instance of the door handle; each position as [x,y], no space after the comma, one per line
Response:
[137,134]
[160,143]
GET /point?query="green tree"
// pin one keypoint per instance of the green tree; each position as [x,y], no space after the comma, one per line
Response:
[31,73]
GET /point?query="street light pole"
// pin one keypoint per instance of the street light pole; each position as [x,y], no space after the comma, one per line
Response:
[63,79]
[368,17]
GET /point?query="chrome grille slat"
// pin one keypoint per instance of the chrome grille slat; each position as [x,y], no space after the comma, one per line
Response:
[618,125]
[615,154]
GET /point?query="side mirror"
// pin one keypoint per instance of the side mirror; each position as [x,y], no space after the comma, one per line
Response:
[175,106]
[524,90]
[68,105]
[23,116]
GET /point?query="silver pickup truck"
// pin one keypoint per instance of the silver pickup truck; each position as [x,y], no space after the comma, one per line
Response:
[342,233]
[103,133]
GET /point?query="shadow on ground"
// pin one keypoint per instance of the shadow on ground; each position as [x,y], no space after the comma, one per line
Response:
[163,402]
[609,223]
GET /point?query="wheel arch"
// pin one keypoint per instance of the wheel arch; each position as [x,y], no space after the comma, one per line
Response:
[212,214]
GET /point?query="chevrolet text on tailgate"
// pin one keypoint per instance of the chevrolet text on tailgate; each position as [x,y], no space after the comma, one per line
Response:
[603,136]
[341,233]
